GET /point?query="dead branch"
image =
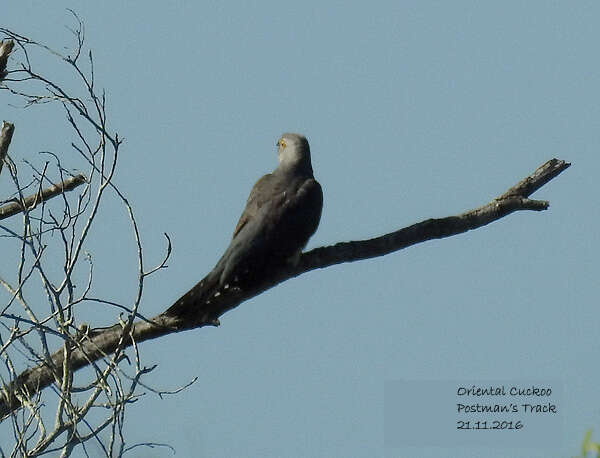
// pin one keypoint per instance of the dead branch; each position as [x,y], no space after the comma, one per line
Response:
[6,47]
[65,228]
[102,342]
[33,200]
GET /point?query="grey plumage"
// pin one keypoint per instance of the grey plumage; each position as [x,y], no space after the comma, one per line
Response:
[281,214]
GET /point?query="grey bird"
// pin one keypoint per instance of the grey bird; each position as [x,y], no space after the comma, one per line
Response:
[282,212]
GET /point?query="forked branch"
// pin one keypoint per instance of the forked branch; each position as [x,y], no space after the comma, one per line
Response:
[99,343]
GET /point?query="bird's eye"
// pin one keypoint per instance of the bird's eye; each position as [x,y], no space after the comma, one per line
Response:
[281,143]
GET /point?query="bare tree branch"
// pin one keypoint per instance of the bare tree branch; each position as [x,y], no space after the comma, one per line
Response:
[187,314]
[6,47]
[31,201]
[53,241]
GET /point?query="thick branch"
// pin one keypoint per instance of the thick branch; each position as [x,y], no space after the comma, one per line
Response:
[6,47]
[516,198]
[100,343]
[6,133]
[31,201]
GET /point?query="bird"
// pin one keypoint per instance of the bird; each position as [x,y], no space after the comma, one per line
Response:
[282,212]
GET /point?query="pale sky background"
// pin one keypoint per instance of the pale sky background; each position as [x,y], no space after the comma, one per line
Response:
[413,110]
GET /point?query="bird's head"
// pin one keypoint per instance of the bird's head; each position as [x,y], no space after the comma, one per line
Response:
[293,151]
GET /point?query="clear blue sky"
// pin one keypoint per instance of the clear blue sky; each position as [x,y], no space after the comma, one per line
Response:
[413,110]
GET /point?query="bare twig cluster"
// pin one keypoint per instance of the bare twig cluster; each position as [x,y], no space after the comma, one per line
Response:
[42,305]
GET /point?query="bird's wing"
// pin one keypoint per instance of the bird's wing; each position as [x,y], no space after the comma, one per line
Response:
[276,223]
[261,192]
[301,212]
[280,216]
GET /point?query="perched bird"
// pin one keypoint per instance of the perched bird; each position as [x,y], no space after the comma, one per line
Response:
[281,214]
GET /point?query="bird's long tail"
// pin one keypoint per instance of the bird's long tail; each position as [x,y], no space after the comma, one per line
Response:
[197,297]
[224,276]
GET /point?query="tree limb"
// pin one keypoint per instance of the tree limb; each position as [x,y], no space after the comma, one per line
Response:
[101,342]
[16,206]
[6,47]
